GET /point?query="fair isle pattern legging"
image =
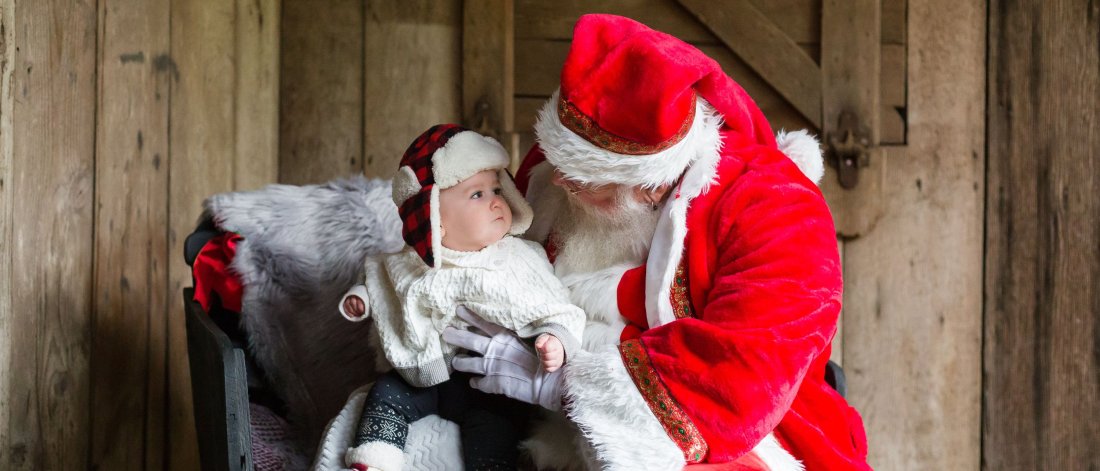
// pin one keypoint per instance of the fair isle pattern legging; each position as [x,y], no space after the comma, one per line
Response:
[491,425]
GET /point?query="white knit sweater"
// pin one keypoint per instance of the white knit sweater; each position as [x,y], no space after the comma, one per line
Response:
[510,283]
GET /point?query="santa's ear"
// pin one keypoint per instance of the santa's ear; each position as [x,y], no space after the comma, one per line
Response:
[652,196]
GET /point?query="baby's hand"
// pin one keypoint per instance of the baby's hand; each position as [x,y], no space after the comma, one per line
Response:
[551,351]
[354,306]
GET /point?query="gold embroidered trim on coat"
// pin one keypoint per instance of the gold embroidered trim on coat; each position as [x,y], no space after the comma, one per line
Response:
[681,299]
[675,421]
[583,125]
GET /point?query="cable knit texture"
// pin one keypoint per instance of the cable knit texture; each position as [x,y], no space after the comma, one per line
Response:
[510,283]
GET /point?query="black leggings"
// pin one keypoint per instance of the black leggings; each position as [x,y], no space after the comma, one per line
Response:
[491,424]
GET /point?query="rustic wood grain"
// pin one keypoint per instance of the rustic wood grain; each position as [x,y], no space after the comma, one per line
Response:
[201,149]
[488,70]
[413,75]
[1042,282]
[131,250]
[51,165]
[892,93]
[321,90]
[256,93]
[912,319]
[7,197]
[768,50]
[850,68]
[894,21]
[544,19]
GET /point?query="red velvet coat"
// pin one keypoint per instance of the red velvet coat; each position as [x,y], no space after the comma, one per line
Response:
[756,301]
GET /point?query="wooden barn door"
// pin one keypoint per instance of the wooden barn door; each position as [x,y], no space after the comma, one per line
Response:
[847,71]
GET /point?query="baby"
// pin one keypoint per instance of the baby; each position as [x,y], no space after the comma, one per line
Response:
[460,212]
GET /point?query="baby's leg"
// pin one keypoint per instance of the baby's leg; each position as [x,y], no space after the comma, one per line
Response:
[492,425]
[390,407]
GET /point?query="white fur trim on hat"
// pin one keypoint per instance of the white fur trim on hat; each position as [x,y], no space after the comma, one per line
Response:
[805,150]
[586,163]
[464,155]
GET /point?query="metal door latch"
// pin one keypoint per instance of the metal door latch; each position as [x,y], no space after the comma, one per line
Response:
[849,146]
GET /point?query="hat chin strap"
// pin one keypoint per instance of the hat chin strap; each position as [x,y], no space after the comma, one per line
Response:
[584,162]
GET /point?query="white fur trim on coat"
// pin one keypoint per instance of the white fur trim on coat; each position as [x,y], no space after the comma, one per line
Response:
[597,292]
[804,149]
[667,246]
[619,426]
[587,163]
[775,456]
[613,416]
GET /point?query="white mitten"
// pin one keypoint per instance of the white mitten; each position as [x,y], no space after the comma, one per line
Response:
[508,365]
[361,292]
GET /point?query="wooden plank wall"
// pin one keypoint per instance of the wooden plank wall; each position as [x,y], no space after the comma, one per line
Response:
[413,77]
[117,118]
[49,155]
[356,92]
[543,30]
[1042,283]
[912,326]
[321,90]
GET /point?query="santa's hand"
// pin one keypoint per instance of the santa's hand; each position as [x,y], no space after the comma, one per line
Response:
[508,366]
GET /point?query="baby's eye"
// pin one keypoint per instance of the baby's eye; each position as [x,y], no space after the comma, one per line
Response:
[497,191]
[476,195]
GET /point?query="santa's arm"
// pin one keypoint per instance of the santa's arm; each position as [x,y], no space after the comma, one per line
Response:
[768,317]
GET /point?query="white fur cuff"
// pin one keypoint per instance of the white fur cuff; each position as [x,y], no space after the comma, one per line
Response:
[613,416]
[361,292]
[379,455]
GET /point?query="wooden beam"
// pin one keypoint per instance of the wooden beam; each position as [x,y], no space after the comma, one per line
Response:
[488,70]
[1042,269]
[765,48]
[850,62]
[129,405]
[45,387]
[850,77]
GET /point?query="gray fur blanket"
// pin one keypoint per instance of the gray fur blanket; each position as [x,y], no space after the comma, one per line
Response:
[303,247]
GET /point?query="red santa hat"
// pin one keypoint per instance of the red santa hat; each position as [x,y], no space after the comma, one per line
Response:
[637,107]
[440,158]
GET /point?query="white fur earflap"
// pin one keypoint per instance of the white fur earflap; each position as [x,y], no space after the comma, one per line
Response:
[405,185]
[522,214]
[805,150]
[465,154]
[586,163]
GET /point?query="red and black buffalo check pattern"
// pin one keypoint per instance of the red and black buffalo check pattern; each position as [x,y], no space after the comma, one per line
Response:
[416,212]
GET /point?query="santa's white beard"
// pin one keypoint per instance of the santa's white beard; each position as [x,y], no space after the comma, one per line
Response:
[592,239]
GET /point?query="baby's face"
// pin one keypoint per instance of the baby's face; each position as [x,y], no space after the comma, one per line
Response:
[473,213]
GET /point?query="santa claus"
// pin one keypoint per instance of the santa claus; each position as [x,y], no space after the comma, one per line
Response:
[704,256]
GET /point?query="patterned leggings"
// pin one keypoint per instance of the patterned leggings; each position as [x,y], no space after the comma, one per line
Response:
[491,425]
